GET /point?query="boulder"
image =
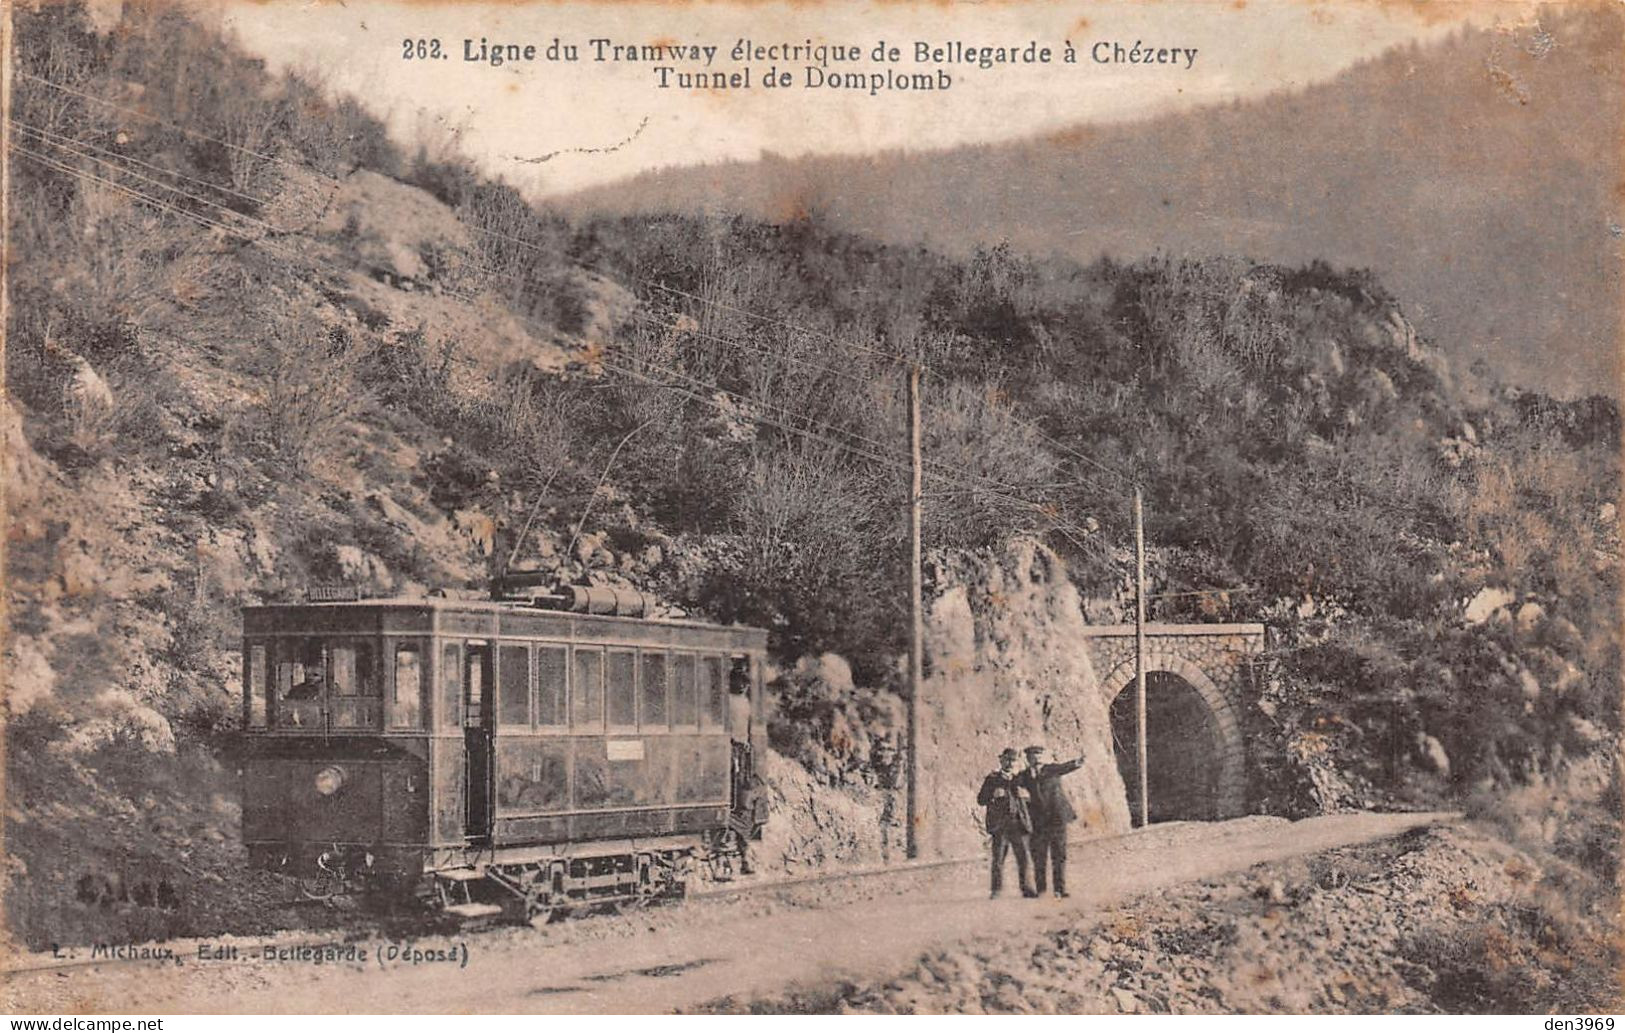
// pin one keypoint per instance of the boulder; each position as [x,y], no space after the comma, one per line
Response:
[1529,615]
[1402,335]
[1528,683]
[586,545]
[1485,603]
[478,528]
[359,566]
[393,512]
[85,393]
[1587,732]
[1431,755]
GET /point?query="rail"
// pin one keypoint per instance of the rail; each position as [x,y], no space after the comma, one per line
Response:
[188,947]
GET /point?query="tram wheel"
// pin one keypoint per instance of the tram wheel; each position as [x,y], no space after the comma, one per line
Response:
[545,898]
[324,887]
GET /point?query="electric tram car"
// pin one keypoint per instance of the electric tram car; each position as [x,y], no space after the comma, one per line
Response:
[529,754]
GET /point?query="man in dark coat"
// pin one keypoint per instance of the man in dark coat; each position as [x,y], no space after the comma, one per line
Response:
[1008,821]
[1052,812]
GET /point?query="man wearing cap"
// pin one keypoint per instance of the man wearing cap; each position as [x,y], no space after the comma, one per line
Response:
[1052,811]
[1008,821]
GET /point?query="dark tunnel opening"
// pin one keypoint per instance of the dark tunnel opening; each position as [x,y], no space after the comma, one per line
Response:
[1183,756]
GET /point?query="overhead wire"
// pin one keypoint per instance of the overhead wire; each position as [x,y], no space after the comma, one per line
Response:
[879,453]
[195,134]
[73,141]
[881,352]
[657,285]
[867,441]
[1006,413]
[113,165]
[80,148]
[1042,508]
[653,321]
[876,449]
[1202,591]
[832,371]
[141,195]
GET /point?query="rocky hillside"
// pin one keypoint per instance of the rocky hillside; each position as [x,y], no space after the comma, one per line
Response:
[259,345]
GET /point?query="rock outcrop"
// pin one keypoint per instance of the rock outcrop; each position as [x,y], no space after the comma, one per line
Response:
[1006,665]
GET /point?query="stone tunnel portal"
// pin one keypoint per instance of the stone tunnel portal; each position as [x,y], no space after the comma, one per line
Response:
[1183,750]
[1199,678]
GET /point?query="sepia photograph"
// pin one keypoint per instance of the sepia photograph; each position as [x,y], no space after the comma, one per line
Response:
[753,507]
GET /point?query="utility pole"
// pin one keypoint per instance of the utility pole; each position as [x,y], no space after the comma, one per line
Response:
[916,644]
[1139,656]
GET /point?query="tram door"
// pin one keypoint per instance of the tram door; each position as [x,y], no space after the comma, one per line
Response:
[477,744]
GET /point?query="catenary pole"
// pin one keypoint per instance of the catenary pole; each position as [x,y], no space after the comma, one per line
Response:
[1139,657]
[916,650]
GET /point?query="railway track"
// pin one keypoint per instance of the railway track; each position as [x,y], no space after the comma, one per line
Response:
[372,929]
[365,930]
[771,934]
[431,925]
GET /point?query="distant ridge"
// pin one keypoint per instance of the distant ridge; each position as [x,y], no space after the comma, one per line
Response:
[1479,177]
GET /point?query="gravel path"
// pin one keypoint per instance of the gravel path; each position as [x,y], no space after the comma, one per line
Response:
[743,948]
[1446,919]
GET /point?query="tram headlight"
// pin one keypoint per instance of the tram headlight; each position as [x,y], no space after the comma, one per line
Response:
[328,780]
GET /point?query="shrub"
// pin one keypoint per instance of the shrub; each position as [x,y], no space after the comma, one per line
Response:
[311,390]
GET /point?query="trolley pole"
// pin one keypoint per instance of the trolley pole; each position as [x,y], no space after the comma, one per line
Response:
[1139,657]
[916,644]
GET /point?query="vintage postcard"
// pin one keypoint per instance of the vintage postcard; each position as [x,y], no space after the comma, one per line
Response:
[759,507]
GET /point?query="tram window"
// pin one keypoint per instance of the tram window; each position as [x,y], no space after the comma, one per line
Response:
[355,696]
[713,693]
[406,702]
[513,696]
[551,667]
[299,672]
[256,686]
[740,680]
[653,711]
[451,686]
[587,699]
[739,677]
[479,663]
[685,709]
[350,669]
[621,689]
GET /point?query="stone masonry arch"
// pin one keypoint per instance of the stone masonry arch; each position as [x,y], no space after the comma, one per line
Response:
[1231,780]
[1216,662]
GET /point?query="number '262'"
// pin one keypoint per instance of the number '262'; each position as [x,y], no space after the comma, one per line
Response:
[421,49]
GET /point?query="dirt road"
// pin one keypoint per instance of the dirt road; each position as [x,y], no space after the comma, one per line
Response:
[680,958]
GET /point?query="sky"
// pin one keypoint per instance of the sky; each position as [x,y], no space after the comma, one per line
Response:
[551,127]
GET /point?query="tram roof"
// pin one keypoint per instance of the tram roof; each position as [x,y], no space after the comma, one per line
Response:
[491,607]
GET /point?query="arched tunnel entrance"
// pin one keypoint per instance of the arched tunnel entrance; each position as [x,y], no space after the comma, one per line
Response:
[1185,751]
